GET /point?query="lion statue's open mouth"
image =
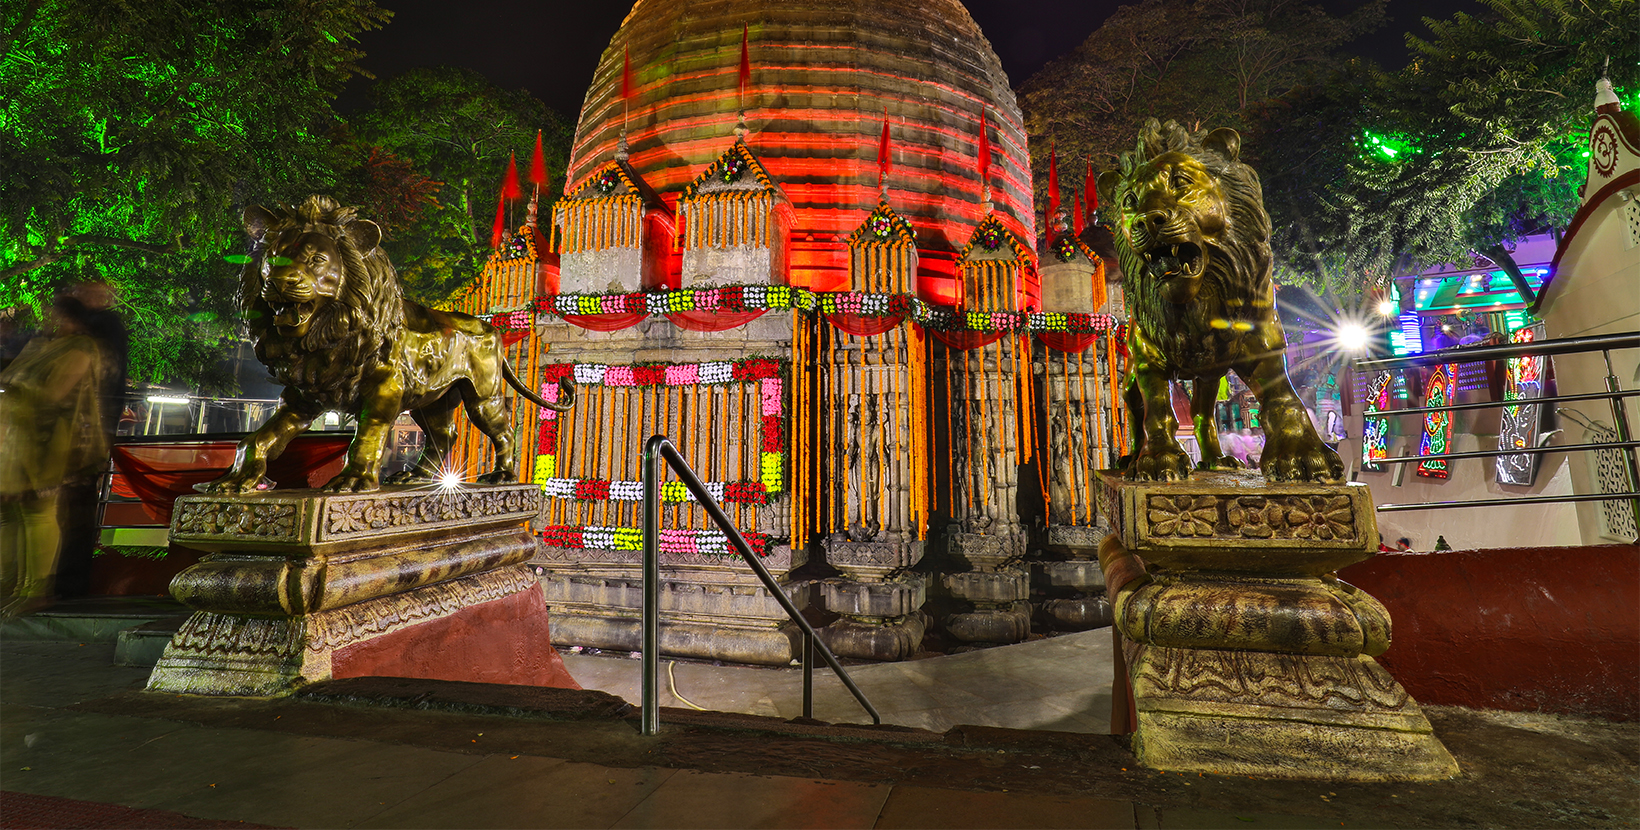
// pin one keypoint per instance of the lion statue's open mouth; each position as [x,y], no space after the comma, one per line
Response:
[293,315]
[1179,259]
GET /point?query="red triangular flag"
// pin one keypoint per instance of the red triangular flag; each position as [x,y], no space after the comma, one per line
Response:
[984,152]
[745,61]
[626,73]
[509,183]
[1053,188]
[1090,190]
[1077,223]
[885,156]
[500,222]
[538,164]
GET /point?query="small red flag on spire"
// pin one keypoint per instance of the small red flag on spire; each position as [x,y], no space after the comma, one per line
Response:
[500,222]
[626,73]
[885,156]
[1090,191]
[745,61]
[509,183]
[538,164]
[1078,224]
[1053,187]
[984,152]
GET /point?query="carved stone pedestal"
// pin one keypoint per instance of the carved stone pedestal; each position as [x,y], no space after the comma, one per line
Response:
[712,607]
[302,586]
[1244,654]
[877,598]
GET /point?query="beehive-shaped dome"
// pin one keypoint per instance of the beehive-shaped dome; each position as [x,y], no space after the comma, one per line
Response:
[823,74]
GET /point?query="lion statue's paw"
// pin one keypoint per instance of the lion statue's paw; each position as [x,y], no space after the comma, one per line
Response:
[407,477]
[347,482]
[1165,464]
[1223,462]
[236,483]
[1311,460]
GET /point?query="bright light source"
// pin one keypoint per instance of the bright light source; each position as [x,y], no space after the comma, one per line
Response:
[1352,337]
[450,480]
[1387,308]
[168,399]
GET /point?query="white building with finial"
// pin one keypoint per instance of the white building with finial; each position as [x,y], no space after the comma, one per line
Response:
[1594,288]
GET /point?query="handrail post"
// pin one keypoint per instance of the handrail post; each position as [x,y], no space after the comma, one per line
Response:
[808,675]
[651,583]
[1620,419]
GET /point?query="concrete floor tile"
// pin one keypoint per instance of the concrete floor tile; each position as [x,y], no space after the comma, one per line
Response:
[54,675]
[926,807]
[304,781]
[526,791]
[1186,818]
[693,799]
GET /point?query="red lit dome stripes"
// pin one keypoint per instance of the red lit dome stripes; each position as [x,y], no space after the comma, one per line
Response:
[822,75]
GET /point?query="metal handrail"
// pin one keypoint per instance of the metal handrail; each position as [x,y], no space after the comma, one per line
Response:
[1476,354]
[1614,395]
[657,449]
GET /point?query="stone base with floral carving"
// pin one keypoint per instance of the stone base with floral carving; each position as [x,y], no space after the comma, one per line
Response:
[300,586]
[1244,653]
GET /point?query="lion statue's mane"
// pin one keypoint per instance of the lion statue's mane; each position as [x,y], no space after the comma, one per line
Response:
[1239,269]
[349,334]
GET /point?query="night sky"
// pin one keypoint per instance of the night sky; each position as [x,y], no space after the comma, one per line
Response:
[551,47]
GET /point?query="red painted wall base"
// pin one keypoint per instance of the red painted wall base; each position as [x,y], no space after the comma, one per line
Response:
[1522,629]
[501,641]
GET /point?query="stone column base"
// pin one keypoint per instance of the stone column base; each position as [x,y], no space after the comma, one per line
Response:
[775,645]
[871,639]
[489,628]
[1279,716]
[1002,623]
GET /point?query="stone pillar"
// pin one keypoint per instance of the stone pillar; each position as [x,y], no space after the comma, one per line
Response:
[1244,654]
[985,545]
[1065,576]
[865,468]
[302,586]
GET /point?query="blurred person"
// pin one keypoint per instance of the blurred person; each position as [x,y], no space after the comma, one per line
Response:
[51,429]
[81,493]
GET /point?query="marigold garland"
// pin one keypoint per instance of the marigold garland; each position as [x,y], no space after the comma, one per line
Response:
[745,298]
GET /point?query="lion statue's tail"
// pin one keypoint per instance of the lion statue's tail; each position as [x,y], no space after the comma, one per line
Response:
[564,386]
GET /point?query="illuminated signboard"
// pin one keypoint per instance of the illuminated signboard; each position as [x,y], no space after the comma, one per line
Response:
[1375,431]
[1522,381]
[1481,291]
[1437,425]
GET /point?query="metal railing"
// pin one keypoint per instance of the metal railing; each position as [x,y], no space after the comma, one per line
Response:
[657,449]
[1614,395]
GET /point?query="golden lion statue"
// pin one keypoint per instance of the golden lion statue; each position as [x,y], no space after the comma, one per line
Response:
[1194,243]
[330,320]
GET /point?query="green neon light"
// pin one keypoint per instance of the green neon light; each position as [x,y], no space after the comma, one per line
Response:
[1387,146]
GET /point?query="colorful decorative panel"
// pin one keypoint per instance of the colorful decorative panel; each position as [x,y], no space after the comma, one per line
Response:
[1522,381]
[1375,431]
[1437,438]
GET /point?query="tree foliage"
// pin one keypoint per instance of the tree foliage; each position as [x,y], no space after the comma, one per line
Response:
[1203,63]
[133,134]
[457,128]
[1498,106]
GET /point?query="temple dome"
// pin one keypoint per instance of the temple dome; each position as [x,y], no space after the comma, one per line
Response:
[823,73]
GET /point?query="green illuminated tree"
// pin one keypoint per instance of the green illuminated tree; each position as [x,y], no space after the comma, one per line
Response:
[1491,123]
[457,128]
[133,135]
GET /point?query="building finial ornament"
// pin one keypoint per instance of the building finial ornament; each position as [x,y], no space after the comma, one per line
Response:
[622,150]
[1605,96]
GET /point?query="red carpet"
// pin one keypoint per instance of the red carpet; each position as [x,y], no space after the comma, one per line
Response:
[22,811]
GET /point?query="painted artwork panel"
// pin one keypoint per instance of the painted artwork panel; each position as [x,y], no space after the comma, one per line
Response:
[1375,431]
[1521,422]
[1437,438]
